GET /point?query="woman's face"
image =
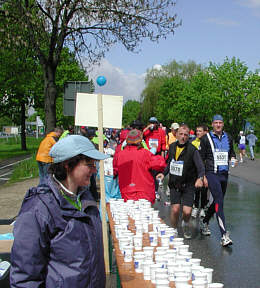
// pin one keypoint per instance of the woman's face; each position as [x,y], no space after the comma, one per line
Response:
[81,174]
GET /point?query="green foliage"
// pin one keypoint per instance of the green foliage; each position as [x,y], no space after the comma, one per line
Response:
[131,111]
[238,93]
[68,70]
[158,87]
[25,170]
[228,89]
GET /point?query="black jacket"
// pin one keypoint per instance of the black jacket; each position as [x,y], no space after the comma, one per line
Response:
[193,167]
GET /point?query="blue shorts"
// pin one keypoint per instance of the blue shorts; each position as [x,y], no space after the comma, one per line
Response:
[242,146]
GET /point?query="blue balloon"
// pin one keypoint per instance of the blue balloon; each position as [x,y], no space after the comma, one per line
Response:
[101,80]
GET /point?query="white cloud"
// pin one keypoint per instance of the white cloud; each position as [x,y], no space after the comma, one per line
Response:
[130,86]
[222,22]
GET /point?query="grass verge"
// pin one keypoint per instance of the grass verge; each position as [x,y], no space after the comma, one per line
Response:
[11,147]
[25,170]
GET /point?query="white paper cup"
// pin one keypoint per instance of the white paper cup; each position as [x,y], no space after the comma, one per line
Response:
[200,284]
[155,214]
[180,282]
[216,285]
[148,252]
[138,262]
[147,269]
[180,259]
[171,268]
[165,241]
[195,261]
[161,283]
[153,238]
[153,268]
[138,242]
[145,226]
[197,275]
[128,253]
[160,248]
[183,248]
[187,254]
[208,272]
[156,225]
[178,240]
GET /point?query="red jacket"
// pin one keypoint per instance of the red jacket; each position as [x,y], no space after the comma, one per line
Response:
[155,136]
[133,167]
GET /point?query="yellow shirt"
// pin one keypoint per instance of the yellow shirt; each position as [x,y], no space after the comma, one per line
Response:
[178,152]
[196,143]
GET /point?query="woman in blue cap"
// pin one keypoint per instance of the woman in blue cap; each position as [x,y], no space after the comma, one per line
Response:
[58,232]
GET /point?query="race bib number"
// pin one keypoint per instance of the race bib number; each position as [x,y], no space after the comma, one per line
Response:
[221,158]
[176,167]
[153,143]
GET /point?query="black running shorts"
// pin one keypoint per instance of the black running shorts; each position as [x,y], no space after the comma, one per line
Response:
[184,195]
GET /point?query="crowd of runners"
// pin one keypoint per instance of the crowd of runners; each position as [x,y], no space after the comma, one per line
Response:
[193,165]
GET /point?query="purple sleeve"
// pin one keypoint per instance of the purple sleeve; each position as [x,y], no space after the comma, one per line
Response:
[29,252]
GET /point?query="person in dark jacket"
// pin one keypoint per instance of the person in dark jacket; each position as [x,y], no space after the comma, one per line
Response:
[187,172]
[58,232]
[216,152]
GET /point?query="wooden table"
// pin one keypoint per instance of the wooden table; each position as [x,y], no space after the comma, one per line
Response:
[128,277]
[6,245]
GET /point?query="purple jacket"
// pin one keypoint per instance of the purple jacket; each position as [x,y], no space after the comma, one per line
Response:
[56,245]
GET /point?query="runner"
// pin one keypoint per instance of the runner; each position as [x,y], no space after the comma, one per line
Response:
[241,145]
[251,138]
[154,137]
[133,165]
[186,172]
[216,151]
[200,193]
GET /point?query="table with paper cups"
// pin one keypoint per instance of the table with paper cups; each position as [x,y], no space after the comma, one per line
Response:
[149,253]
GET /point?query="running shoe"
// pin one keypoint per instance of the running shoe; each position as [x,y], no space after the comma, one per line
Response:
[194,212]
[204,228]
[157,196]
[202,213]
[225,240]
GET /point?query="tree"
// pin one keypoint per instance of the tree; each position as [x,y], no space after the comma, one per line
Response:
[131,111]
[238,94]
[157,84]
[89,27]
[16,86]
[68,70]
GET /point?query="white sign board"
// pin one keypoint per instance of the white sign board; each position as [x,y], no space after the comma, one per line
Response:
[14,130]
[86,113]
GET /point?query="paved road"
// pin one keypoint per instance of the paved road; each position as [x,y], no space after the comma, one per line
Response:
[238,265]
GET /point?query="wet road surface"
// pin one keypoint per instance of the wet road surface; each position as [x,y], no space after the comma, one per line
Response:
[236,266]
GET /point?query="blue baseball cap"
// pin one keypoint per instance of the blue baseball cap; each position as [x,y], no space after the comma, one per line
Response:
[217,117]
[74,145]
[153,120]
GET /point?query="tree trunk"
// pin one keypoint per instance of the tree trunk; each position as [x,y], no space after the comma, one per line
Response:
[23,134]
[50,93]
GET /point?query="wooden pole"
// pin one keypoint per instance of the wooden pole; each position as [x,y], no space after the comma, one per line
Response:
[102,183]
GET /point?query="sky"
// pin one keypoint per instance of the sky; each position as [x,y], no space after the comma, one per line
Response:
[211,30]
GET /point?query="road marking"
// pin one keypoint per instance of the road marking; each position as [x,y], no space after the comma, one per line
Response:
[15,163]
